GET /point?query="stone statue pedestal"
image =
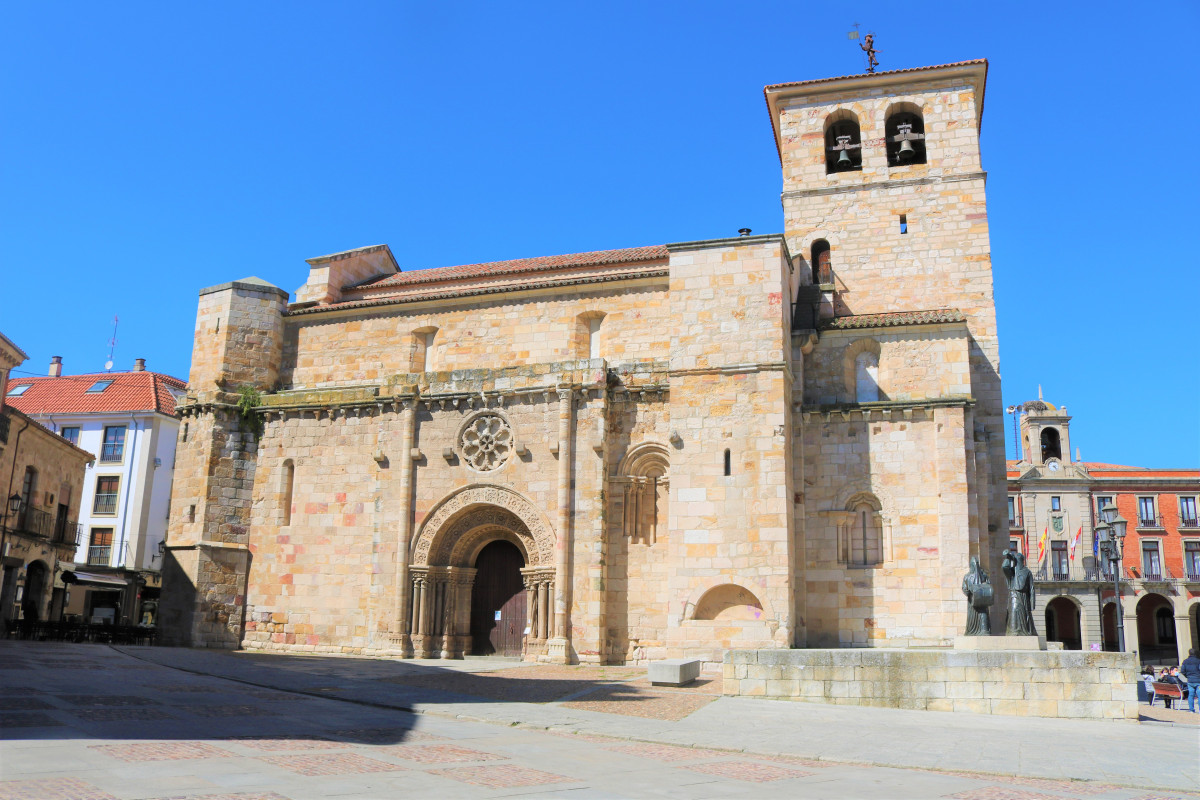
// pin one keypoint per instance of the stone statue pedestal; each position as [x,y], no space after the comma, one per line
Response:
[980,643]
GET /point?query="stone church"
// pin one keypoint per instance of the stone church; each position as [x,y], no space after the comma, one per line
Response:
[765,441]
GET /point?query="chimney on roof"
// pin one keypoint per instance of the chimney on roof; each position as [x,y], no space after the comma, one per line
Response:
[55,366]
[139,365]
[743,231]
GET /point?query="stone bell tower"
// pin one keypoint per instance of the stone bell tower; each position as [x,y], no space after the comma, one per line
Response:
[886,216]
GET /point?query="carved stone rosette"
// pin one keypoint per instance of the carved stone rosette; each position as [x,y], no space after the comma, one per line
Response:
[486,442]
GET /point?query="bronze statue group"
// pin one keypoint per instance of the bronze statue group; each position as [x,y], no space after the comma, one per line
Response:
[1021,597]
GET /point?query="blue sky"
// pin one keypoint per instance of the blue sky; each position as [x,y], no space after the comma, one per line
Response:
[150,149]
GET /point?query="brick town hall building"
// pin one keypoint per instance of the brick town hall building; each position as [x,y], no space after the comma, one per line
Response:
[789,440]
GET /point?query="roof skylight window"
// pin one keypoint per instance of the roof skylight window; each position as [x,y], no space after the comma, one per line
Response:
[17,391]
[99,386]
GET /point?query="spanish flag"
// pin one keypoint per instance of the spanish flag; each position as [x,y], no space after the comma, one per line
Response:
[1075,541]
[1042,544]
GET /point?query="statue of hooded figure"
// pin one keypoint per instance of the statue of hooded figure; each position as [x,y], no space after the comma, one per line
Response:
[1021,595]
[978,590]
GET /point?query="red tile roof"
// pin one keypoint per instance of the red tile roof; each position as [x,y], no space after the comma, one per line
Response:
[68,394]
[876,74]
[893,318]
[629,255]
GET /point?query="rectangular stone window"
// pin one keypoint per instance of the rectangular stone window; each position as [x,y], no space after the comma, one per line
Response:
[71,435]
[1151,561]
[1055,503]
[1058,560]
[1187,513]
[1147,513]
[1191,559]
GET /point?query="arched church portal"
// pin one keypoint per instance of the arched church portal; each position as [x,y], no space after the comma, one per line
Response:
[482,577]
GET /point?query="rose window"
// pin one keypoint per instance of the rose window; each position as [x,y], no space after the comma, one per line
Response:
[486,442]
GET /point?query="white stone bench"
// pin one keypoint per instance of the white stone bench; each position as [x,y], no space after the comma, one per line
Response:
[674,672]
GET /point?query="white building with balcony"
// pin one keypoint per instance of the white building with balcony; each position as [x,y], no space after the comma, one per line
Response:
[127,420]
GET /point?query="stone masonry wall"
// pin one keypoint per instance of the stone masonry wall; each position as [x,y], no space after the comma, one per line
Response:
[1024,683]
[372,346]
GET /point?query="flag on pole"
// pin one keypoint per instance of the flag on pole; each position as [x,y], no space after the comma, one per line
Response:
[1042,544]
[1075,541]
[1095,545]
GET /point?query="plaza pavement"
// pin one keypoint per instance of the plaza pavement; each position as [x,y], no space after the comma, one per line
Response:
[90,722]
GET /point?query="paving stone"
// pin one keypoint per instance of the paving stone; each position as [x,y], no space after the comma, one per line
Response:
[286,744]
[339,764]
[117,714]
[1000,793]
[86,700]
[32,719]
[748,771]
[440,754]
[664,752]
[22,704]
[160,751]
[501,776]
[51,789]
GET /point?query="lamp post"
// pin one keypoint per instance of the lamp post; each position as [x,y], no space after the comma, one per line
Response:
[1111,531]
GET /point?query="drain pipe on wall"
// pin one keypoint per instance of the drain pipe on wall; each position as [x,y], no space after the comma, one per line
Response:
[128,483]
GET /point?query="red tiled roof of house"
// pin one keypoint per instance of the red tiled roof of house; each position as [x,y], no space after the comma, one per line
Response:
[68,394]
[893,318]
[598,258]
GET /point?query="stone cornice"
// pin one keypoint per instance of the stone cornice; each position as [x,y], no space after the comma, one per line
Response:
[883,185]
[886,409]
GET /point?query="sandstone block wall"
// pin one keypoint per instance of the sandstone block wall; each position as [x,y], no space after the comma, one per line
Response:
[1062,684]
[370,347]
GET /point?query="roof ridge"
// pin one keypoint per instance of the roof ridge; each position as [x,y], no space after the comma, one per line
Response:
[511,266]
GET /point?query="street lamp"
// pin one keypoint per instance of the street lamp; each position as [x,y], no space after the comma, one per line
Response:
[1112,538]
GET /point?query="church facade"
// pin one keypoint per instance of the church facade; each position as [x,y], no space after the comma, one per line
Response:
[789,440]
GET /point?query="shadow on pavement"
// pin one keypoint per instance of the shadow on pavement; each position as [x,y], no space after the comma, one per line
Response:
[54,691]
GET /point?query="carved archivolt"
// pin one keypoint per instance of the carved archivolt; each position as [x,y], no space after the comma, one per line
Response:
[466,520]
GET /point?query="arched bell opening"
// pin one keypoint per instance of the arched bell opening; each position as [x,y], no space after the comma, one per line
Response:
[1051,444]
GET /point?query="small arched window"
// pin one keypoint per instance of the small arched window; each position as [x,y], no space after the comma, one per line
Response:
[1051,447]
[288,479]
[822,269]
[843,145]
[866,377]
[905,133]
[866,541]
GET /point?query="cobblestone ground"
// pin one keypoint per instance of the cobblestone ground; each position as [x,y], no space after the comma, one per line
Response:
[88,722]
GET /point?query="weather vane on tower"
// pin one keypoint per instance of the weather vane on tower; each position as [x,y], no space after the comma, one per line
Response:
[868,47]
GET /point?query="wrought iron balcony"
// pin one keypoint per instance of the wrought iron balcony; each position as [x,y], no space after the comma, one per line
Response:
[1189,522]
[1193,574]
[1081,570]
[105,503]
[35,521]
[99,555]
[112,452]
[1152,521]
[1155,575]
